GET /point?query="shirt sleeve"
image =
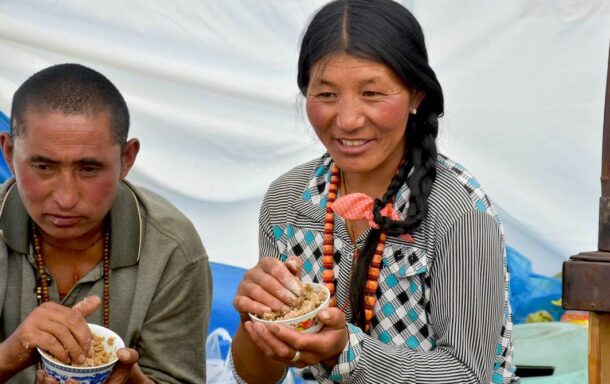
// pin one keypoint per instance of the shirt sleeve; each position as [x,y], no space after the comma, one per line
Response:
[467,301]
[173,336]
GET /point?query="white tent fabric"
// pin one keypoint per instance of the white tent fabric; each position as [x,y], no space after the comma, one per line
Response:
[212,91]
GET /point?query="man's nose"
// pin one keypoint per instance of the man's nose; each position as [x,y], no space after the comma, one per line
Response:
[67,193]
[349,114]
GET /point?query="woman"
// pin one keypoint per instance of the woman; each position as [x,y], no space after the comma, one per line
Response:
[403,236]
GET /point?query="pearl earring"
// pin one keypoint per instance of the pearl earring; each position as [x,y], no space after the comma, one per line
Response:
[413,111]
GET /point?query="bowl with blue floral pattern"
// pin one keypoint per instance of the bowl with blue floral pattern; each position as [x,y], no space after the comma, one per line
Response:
[98,365]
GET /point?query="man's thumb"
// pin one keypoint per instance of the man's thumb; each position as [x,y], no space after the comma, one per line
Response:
[88,305]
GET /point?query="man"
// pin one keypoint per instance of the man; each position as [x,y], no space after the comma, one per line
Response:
[80,244]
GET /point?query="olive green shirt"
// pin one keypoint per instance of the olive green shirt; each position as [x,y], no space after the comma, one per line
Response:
[160,282]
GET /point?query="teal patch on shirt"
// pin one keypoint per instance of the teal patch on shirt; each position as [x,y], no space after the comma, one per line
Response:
[413,287]
[323,202]
[385,337]
[351,356]
[283,257]
[320,170]
[497,378]
[388,309]
[391,281]
[307,195]
[412,314]
[277,232]
[422,270]
[307,266]
[289,231]
[474,182]
[402,271]
[412,342]
[309,237]
[480,205]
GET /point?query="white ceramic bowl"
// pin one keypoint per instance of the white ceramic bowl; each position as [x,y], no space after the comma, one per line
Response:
[307,323]
[84,375]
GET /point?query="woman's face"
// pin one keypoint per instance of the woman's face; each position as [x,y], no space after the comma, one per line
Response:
[359,109]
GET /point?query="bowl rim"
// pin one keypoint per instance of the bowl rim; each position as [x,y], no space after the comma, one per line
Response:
[301,317]
[75,368]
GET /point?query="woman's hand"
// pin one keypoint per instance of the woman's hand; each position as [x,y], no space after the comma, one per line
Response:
[61,331]
[270,286]
[282,344]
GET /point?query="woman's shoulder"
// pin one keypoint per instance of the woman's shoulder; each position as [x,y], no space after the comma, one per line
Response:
[456,191]
[293,183]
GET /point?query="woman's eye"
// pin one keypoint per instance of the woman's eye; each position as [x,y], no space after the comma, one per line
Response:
[326,95]
[370,93]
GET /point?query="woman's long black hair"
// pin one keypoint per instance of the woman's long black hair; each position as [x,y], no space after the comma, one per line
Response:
[386,32]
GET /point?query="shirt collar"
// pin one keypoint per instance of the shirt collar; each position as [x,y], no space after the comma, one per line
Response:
[314,197]
[125,219]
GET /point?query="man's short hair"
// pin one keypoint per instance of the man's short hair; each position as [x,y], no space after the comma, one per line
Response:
[71,89]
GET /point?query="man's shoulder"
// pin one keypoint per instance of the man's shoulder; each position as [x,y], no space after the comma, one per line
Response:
[163,222]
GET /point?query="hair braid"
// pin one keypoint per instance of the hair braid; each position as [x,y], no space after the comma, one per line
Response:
[419,172]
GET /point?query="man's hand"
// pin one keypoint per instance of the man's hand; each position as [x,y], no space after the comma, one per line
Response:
[61,331]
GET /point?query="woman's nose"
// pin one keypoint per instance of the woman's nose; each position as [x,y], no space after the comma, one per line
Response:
[349,114]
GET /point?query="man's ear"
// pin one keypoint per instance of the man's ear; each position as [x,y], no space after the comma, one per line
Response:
[128,157]
[6,144]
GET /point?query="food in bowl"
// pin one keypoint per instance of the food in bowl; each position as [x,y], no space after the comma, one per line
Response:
[97,352]
[311,298]
[304,316]
[106,343]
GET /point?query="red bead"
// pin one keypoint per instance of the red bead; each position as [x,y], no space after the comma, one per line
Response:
[380,248]
[327,249]
[368,314]
[328,276]
[369,301]
[332,196]
[328,261]
[329,217]
[328,227]
[331,288]
[382,238]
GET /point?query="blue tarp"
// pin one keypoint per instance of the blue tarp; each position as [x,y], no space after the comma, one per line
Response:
[4,126]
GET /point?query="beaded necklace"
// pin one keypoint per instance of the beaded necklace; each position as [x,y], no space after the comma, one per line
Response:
[328,251]
[42,289]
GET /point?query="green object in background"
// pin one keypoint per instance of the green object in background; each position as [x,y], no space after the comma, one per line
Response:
[562,345]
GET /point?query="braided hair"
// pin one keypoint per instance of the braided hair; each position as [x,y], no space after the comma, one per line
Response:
[386,32]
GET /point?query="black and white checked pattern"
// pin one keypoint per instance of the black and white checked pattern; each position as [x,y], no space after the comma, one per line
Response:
[442,314]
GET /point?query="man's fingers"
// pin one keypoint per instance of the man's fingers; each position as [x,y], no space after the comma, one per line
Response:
[88,305]
[127,359]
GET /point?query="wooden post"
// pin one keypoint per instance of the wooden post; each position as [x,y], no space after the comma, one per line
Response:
[586,276]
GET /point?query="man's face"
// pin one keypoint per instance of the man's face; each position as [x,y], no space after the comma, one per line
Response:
[67,169]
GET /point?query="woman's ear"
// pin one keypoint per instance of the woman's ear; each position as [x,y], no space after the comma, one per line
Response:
[417,97]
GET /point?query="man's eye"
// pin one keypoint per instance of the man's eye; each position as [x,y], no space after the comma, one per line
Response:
[42,167]
[89,169]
